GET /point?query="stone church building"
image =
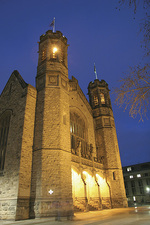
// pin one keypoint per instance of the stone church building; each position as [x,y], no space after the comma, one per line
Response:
[57,150]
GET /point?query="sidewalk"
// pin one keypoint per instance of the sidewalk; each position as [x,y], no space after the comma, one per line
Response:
[85,216]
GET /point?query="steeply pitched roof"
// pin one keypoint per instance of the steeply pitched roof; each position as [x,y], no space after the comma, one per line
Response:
[20,79]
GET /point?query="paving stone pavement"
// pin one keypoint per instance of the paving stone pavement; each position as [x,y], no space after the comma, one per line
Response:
[129,216]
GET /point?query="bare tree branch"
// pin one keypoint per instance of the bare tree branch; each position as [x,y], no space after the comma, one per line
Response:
[134,91]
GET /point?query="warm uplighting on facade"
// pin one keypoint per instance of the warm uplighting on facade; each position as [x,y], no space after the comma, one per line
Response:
[100,179]
[84,172]
[93,185]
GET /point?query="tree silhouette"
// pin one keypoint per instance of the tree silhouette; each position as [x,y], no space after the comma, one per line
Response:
[134,91]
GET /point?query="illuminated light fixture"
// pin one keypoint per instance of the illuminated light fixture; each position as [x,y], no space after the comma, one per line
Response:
[131,176]
[138,175]
[134,198]
[84,172]
[55,50]
[50,192]
[148,189]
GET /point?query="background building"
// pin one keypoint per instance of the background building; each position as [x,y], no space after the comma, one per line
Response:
[58,151]
[137,183]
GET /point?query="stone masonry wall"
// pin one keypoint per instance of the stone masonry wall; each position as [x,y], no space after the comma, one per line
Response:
[107,140]
[13,98]
[52,155]
[23,201]
[79,104]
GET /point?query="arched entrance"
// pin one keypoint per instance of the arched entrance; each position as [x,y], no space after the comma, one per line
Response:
[78,191]
[90,192]
[104,191]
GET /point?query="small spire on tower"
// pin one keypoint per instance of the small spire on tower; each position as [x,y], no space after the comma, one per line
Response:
[95,71]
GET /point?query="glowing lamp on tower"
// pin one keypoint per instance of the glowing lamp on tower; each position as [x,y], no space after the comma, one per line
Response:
[54,52]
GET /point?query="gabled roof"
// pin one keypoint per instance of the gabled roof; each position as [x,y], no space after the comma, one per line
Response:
[20,79]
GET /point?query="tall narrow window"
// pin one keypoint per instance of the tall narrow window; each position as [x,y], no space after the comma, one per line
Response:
[133,187]
[102,98]
[114,176]
[4,128]
[95,100]
[77,131]
[55,52]
[44,54]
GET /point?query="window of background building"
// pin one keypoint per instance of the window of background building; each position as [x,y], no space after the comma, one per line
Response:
[133,187]
[138,175]
[126,188]
[148,181]
[131,176]
[140,182]
[129,169]
[146,174]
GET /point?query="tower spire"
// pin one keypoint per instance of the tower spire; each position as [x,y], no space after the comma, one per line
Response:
[95,71]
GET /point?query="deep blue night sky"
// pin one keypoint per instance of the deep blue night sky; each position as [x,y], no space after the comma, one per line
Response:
[96,32]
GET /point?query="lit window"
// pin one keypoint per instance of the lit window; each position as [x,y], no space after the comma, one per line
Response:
[148,189]
[131,176]
[134,198]
[102,98]
[138,175]
[54,52]
[129,169]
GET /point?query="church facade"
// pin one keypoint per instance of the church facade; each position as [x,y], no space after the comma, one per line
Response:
[57,150]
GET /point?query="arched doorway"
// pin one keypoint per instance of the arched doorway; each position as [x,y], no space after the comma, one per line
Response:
[78,191]
[104,191]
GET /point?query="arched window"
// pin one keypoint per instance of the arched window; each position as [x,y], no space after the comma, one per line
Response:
[4,128]
[78,135]
[102,98]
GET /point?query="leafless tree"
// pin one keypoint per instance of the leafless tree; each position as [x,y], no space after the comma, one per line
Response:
[134,91]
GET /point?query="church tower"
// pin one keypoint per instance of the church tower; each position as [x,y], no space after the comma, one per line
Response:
[51,172]
[106,140]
